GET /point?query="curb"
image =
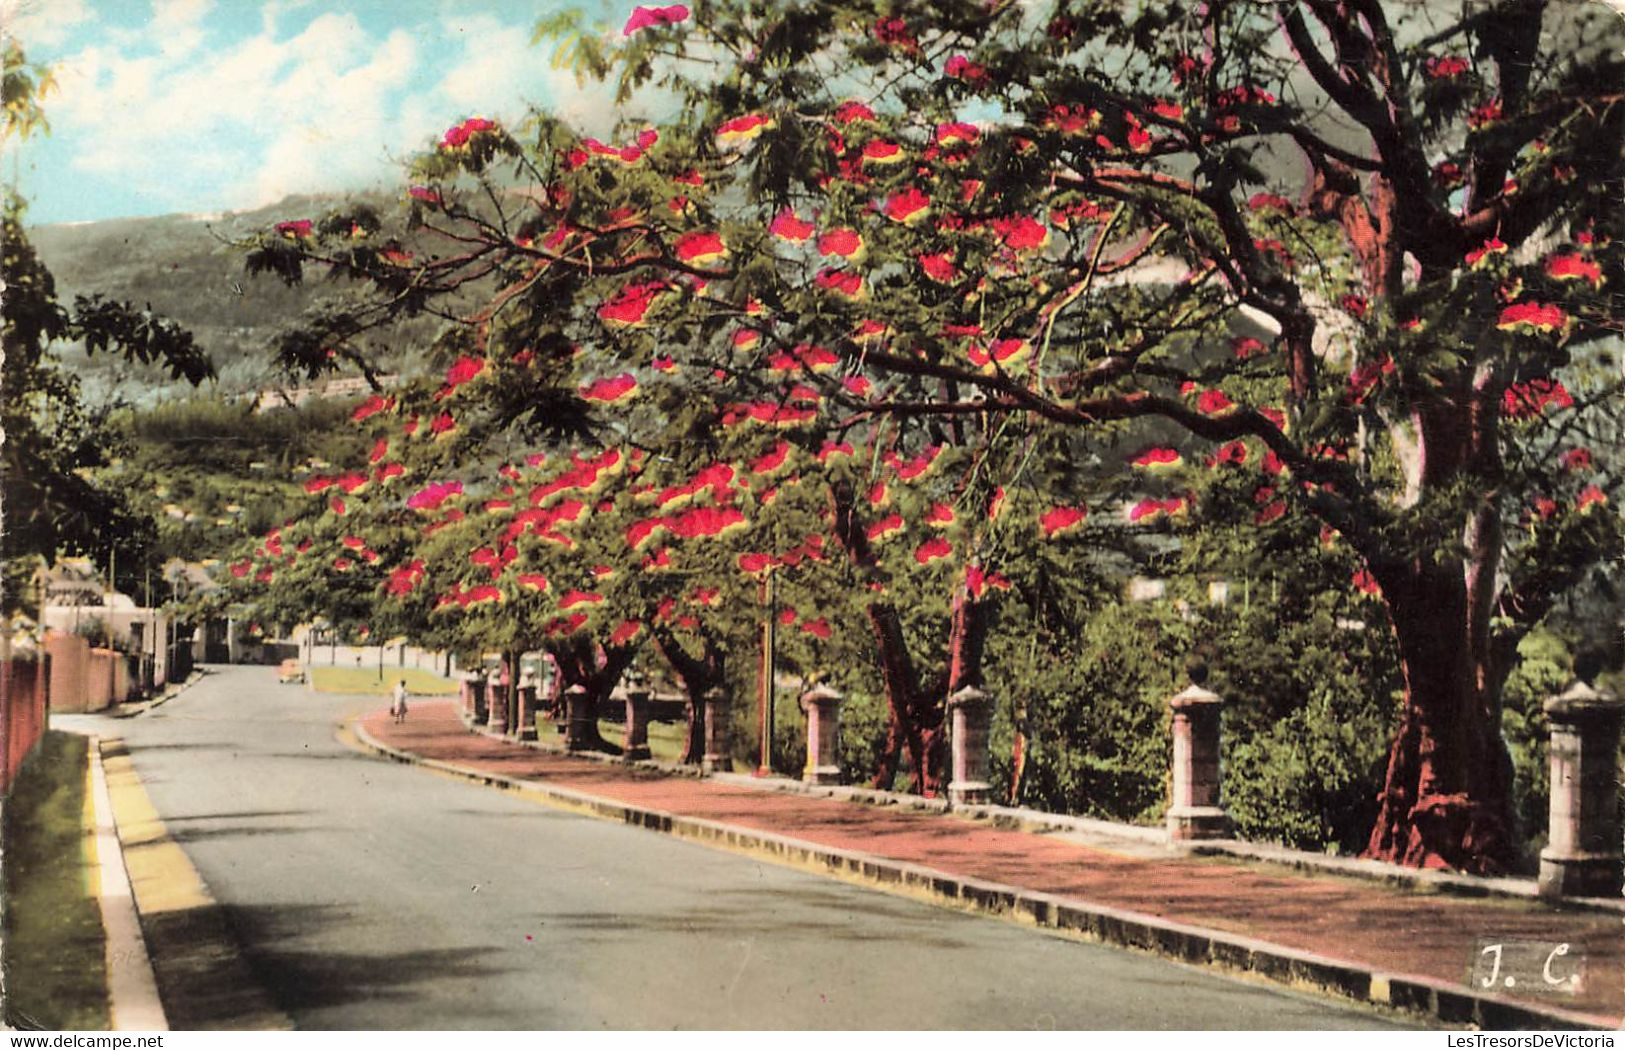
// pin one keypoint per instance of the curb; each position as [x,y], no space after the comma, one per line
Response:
[1440,1000]
[170,692]
[132,987]
[203,980]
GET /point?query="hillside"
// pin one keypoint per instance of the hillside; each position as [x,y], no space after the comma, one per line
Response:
[185,268]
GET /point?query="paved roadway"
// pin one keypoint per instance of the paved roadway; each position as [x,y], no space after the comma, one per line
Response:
[371,895]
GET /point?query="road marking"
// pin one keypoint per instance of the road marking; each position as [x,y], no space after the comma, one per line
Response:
[132,989]
[207,981]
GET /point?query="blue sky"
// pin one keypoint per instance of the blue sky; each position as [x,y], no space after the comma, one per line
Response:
[204,106]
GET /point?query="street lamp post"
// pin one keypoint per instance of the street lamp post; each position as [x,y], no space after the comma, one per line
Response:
[767,595]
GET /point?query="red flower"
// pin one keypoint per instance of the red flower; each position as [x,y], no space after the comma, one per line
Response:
[843,242]
[700,247]
[818,628]
[1574,268]
[1485,115]
[1022,232]
[850,112]
[631,304]
[842,282]
[1234,454]
[917,466]
[754,563]
[1213,402]
[1270,202]
[1444,67]
[424,194]
[933,550]
[880,151]
[443,424]
[295,230]
[1591,495]
[891,523]
[611,389]
[1246,346]
[743,129]
[1541,317]
[1366,583]
[906,205]
[939,267]
[895,32]
[464,369]
[1523,400]
[771,461]
[644,17]
[1577,459]
[1493,246]
[372,406]
[962,68]
[785,225]
[431,496]
[1061,520]
[1158,459]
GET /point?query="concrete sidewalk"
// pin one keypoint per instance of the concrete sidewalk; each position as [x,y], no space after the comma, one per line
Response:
[1414,950]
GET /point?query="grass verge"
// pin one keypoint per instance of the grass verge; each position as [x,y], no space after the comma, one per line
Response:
[665,738]
[368,680]
[55,953]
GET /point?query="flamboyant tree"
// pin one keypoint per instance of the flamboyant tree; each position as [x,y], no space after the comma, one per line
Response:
[1071,213]
[1369,253]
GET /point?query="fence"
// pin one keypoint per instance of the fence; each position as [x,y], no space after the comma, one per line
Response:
[24,695]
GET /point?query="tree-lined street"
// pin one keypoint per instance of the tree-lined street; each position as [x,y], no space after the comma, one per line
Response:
[373,895]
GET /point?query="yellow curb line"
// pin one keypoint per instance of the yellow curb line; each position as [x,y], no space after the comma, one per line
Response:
[162,877]
[132,988]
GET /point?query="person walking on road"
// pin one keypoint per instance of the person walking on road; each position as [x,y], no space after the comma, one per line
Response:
[398,706]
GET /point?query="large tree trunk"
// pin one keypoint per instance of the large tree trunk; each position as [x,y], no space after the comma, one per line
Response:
[1446,801]
[596,670]
[699,675]
[915,702]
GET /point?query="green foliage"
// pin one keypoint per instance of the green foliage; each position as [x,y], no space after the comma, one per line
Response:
[1093,708]
[1544,669]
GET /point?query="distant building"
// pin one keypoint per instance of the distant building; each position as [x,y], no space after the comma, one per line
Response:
[350,386]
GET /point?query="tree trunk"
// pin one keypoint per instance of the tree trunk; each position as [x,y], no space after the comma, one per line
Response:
[698,675]
[1446,801]
[597,671]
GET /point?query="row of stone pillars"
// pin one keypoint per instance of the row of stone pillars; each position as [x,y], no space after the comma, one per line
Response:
[1585,850]
[1584,855]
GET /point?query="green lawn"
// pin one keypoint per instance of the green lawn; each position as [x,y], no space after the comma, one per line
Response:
[665,738]
[56,976]
[368,680]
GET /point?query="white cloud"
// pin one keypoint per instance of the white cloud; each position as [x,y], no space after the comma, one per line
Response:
[240,125]
[40,24]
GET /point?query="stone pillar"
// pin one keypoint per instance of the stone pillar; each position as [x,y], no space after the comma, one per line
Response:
[717,757]
[527,713]
[822,705]
[635,745]
[581,718]
[496,706]
[1195,812]
[1584,855]
[970,714]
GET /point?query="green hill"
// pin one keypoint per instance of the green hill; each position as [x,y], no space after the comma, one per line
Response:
[184,267]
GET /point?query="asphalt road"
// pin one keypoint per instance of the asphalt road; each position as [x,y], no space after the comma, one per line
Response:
[370,895]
